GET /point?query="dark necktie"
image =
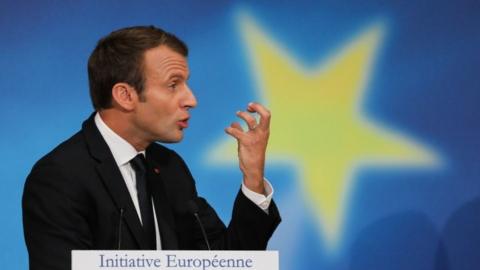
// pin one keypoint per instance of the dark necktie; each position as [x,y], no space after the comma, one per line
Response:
[139,164]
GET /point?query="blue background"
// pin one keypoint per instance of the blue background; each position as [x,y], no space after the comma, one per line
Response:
[426,84]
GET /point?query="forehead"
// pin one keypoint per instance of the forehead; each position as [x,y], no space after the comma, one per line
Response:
[163,61]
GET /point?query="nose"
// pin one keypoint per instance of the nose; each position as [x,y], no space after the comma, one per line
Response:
[189,101]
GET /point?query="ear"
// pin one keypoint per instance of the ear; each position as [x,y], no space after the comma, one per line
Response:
[125,96]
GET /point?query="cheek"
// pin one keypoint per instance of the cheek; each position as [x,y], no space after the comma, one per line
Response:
[159,116]
[160,107]
[167,108]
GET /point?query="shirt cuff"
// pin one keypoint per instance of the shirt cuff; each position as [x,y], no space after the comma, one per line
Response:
[261,200]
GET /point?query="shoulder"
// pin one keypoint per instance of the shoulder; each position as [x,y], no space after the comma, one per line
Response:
[53,173]
[67,167]
[67,153]
[164,156]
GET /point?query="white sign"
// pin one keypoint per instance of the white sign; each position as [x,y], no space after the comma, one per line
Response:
[173,260]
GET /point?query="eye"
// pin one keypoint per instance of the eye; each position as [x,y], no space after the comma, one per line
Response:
[173,85]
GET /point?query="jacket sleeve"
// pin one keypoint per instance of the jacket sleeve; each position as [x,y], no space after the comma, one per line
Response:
[54,222]
[250,227]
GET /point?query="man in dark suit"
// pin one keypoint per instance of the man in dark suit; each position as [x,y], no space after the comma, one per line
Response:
[110,186]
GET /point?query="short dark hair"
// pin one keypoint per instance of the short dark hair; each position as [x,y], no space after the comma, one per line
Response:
[119,57]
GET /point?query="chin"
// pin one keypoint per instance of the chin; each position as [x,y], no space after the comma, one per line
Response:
[172,139]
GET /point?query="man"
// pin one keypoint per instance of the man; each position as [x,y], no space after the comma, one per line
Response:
[110,186]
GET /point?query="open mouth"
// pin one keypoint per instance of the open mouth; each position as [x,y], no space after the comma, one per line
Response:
[183,123]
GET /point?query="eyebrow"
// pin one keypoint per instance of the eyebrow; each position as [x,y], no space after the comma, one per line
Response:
[177,75]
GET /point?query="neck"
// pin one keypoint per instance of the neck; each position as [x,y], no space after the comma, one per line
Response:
[120,123]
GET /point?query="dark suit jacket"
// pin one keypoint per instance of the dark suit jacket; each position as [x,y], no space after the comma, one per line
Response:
[75,198]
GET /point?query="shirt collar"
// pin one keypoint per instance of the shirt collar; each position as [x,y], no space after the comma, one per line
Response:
[122,151]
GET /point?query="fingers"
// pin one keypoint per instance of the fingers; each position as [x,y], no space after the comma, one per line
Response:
[237,125]
[249,119]
[235,130]
[263,112]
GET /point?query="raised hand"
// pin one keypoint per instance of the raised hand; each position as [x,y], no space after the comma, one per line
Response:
[252,145]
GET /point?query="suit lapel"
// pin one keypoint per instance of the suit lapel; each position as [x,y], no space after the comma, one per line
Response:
[118,190]
[163,210]
[113,180]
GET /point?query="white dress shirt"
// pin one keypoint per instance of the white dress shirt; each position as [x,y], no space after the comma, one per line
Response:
[123,152]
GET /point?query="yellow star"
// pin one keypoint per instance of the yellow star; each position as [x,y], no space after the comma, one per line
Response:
[318,125]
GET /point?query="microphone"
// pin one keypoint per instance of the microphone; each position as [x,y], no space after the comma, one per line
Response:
[192,208]
[119,244]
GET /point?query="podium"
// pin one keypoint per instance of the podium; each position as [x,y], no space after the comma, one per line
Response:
[174,260]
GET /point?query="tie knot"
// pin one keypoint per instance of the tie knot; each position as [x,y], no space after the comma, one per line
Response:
[139,163]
